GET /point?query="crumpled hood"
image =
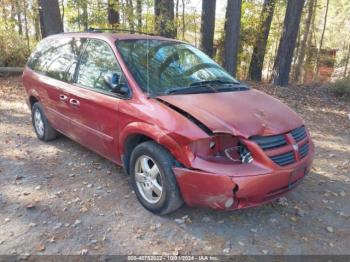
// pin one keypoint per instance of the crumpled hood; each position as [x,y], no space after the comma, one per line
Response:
[241,113]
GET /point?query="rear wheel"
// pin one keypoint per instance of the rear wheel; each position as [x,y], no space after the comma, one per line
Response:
[153,179]
[42,127]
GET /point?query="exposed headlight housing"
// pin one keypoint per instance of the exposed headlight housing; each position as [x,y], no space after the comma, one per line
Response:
[244,154]
[222,148]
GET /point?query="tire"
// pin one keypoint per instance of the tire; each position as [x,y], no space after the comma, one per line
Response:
[170,198]
[43,130]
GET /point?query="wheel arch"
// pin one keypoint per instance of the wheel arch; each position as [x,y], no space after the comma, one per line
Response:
[137,133]
[33,97]
[32,100]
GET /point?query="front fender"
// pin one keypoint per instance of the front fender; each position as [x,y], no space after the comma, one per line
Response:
[158,135]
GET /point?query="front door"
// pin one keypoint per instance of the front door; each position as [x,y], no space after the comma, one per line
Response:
[94,108]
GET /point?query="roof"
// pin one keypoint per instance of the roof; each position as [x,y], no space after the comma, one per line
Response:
[113,36]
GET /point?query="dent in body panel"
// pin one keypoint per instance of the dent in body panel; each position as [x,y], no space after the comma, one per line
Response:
[256,184]
[173,131]
[204,189]
[240,113]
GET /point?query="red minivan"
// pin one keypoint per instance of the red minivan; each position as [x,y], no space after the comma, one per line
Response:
[180,125]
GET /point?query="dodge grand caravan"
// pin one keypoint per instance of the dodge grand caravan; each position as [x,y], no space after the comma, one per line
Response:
[182,127]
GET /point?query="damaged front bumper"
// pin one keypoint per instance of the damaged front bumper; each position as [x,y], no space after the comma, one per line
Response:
[249,185]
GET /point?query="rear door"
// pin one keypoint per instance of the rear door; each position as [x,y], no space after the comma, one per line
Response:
[55,62]
[94,108]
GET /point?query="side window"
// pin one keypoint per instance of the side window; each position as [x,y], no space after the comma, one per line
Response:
[56,58]
[45,53]
[63,65]
[97,62]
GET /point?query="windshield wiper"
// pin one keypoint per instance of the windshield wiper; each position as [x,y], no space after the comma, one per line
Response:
[221,85]
[190,90]
[214,82]
[208,86]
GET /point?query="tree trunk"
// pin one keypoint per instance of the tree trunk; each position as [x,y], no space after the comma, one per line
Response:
[13,15]
[19,17]
[164,18]
[139,14]
[272,59]
[183,20]
[130,14]
[79,19]
[287,43]
[232,35]
[299,66]
[309,49]
[296,53]
[62,15]
[85,15]
[207,26]
[4,15]
[26,24]
[347,62]
[36,20]
[177,16]
[50,18]
[257,61]
[321,40]
[113,13]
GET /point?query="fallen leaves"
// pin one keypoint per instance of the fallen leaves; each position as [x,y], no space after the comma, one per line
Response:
[40,248]
[282,201]
[30,206]
[185,219]
[330,229]
[74,189]
[76,223]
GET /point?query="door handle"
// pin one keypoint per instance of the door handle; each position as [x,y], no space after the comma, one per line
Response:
[74,102]
[63,98]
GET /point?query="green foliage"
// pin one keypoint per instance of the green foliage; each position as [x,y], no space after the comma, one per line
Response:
[250,21]
[341,87]
[14,51]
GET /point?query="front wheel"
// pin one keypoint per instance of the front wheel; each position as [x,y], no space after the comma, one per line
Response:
[153,179]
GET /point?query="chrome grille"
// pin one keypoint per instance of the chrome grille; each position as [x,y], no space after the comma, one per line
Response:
[276,141]
[303,150]
[284,159]
[270,142]
[298,133]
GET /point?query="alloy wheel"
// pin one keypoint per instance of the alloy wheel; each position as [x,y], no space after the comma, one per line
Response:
[148,179]
[38,123]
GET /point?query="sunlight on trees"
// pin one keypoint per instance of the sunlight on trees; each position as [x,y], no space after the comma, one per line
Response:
[322,40]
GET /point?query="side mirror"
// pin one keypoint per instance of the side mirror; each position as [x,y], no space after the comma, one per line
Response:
[112,81]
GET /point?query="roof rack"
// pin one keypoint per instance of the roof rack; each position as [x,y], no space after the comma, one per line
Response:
[116,30]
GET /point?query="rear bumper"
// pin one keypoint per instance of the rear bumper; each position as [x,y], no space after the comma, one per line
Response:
[199,188]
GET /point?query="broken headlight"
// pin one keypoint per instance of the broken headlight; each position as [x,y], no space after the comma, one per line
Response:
[244,154]
[222,148]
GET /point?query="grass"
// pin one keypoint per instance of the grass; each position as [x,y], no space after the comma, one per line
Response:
[341,87]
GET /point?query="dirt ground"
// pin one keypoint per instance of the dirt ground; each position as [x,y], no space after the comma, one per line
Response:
[60,198]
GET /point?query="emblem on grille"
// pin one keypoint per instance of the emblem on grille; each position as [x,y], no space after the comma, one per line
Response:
[295,147]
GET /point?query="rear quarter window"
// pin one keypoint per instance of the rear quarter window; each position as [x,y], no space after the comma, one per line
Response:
[44,53]
[56,58]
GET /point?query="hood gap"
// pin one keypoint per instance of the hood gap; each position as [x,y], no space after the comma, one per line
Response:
[188,116]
